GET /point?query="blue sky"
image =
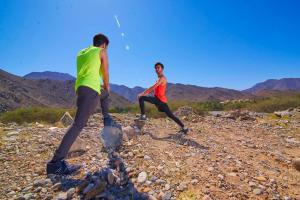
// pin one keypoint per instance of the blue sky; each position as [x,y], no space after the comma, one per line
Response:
[232,44]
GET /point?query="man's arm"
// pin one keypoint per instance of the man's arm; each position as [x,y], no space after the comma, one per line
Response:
[150,89]
[104,69]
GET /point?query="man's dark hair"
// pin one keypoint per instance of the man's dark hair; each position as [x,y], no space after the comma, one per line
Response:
[100,39]
[160,64]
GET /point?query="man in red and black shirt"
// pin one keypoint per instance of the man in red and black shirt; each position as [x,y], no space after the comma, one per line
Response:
[159,99]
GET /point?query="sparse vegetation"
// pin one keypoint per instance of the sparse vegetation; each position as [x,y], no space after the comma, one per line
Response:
[52,115]
[29,115]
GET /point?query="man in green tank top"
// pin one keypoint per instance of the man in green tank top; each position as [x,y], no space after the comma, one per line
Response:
[92,68]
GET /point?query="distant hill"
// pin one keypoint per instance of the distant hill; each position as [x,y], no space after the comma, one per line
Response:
[284,84]
[18,92]
[202,94]
[175,92]
[49,75]
[126,92]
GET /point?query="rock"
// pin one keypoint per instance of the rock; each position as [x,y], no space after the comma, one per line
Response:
[70,193]
[111,138]
[142,177]
[167,187]
[97,189]
[56,186]
[260,178]
[206,197]
[220,176]
[252,184]
[38,183]
[130,132]
[257,191]
[166,196]
[78,147]
[146,157]
[12,133]
[182,186]
[61,196]
[283,113]
[194,181]
[66,119]
[184,111]
[216,113]
[296,164]
[28,196]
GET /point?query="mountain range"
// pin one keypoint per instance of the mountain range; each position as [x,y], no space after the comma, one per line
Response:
[18,92]
[57,90]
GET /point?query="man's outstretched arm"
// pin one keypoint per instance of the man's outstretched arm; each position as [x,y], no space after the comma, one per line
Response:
[150,89]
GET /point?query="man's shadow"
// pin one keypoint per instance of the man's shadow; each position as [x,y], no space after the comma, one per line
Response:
[179,138]
[103,185]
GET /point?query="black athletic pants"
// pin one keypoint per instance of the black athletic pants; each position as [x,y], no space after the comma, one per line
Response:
[87,101]
[161,106]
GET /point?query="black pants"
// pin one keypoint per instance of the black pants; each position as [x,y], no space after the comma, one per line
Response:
[161,106]
[87,101]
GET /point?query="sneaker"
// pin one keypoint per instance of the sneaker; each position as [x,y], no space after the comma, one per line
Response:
[143,118]
[184,130]
[109,121]
[61,168]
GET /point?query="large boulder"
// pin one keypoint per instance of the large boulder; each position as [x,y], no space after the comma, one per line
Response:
[111,138]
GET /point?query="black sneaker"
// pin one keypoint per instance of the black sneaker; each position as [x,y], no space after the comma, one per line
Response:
[61,168]
[109,121]
[143,118]
[184,130]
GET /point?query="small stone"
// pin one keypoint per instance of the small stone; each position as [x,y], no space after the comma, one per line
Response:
[142,177]
[257,191]
[194,181]
[260,178]
[70,193]
[206,197]
[38,183]
[251,184]
[296,164]
[167,187]
[28,196]
[210,169]
[182,186]
[220,176]
[146,157]
[167,196]
[56,186]
[62,196]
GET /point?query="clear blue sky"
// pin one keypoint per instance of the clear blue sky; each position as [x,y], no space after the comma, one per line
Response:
[232,44]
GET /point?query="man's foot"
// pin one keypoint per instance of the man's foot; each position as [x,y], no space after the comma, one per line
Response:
[61,168]
[109,121]
[143,118]
[184,130]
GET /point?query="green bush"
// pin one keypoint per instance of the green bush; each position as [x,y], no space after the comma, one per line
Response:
[45,115]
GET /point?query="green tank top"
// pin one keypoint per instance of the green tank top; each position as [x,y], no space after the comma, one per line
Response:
[88,69]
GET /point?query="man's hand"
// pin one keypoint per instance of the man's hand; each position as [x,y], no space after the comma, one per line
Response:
[140,95]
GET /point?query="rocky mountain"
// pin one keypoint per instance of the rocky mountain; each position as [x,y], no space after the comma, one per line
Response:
[175,92]
[49,75]
[275,84]
[201,94]
[127,92]
[18,92]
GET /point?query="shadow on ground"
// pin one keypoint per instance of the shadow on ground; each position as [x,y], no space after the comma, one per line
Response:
[179,138]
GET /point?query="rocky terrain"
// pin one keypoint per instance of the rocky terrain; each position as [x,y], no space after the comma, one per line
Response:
[226,155]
